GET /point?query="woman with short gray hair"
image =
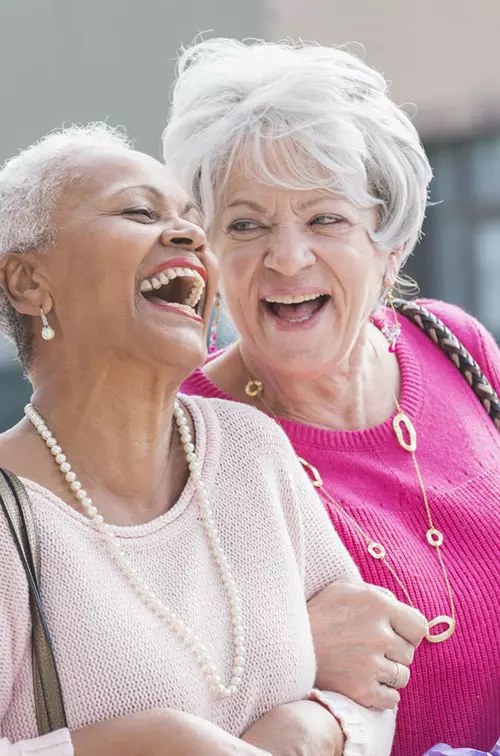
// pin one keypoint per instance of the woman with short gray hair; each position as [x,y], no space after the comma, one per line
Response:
[314,187]
[175,563]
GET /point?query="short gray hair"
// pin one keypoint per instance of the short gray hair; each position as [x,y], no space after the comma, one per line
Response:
[31,183]
[321,113]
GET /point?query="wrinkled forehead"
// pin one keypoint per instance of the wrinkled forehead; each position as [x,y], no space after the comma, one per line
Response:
[99,174]
[281,163]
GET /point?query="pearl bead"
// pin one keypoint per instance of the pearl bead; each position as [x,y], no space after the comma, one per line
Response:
[149,598]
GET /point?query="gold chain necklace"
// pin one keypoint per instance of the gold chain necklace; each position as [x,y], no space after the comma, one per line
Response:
[434,537]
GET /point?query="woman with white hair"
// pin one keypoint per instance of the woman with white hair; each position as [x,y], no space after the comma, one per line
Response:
[314,185]
[175,561]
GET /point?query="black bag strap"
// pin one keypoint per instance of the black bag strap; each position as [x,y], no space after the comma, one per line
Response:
[49,705]
[446,340]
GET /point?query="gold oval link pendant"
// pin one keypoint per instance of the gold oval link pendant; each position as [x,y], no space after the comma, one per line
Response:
[440,637]
[313,473]
[434,537]
[402,419]
[376,550]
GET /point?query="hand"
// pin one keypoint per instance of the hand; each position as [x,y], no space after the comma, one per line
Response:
[365,641]
[163,732]
[304,728]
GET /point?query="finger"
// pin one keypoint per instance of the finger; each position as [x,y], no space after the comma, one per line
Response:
[401,651]
[408,622]
[384,697]
[395,676]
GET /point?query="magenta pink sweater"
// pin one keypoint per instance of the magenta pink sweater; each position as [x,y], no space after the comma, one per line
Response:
[454,694]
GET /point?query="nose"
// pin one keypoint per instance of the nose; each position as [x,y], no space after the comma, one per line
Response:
[289,251]
[186,236]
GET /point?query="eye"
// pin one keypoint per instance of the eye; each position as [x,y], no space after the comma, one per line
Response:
[240,226]
[145,213]
[326,219]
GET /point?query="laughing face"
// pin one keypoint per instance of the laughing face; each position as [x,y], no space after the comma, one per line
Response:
[130,274]
[299,272]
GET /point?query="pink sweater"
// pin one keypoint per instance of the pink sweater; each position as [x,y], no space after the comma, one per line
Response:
[115,657]
[454,695]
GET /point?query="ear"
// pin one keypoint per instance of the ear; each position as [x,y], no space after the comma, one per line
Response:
[393,266]
[23,283]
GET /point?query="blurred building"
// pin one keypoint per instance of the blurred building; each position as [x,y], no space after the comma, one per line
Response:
[62,62]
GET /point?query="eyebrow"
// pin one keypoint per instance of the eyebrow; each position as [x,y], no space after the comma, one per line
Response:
[247,203]
[312,201]
[145,187]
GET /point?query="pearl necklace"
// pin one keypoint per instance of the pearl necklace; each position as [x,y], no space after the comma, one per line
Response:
[147,596]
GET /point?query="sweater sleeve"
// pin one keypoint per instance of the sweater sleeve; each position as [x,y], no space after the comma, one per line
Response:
[15,645]
[321,556]
[54,744]
[323,559]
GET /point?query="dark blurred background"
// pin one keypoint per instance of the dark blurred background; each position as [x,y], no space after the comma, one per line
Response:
[66,61]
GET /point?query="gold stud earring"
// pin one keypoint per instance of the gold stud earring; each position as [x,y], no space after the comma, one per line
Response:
[48,333]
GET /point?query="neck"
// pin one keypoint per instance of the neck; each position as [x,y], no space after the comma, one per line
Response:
[344,395]
[116,428]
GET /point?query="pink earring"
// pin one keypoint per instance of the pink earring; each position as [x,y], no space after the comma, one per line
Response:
[391,331]
[215,325]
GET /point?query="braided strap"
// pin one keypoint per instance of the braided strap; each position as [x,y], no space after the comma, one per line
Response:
[457,353]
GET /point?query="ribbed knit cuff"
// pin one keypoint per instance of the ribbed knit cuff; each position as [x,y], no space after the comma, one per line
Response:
[368,732]
[56,743]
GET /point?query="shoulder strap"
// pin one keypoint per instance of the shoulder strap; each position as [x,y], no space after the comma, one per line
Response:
[457,353]
[49,705]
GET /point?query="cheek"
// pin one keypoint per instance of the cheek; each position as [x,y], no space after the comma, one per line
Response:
[236,271]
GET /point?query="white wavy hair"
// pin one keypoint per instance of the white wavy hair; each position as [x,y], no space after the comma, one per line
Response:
[320,113]
[31,183]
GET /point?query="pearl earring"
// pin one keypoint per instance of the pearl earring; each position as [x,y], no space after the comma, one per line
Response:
[48,333]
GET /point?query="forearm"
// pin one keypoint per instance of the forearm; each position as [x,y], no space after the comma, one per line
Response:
[164,732]
[302,727]
[135,735]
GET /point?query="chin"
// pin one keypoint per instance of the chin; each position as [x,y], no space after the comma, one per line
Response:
[180,353]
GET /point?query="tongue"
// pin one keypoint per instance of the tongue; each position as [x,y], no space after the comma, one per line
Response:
[297,312]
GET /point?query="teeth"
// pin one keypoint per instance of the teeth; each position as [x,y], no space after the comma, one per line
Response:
[185,307]
[168,275]
[295,299]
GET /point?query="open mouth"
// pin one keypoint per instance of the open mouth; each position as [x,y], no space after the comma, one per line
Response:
[297,308]
[181,287]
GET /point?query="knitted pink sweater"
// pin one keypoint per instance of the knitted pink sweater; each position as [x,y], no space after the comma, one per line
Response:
[115,657]
[454,695]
